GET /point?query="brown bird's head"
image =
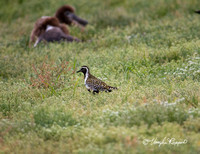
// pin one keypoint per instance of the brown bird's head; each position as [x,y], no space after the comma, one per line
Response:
[66,14]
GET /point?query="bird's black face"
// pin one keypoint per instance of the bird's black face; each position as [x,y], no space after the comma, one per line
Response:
[83,69]
[72,17]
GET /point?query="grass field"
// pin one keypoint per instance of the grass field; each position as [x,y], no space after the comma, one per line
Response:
[150,50]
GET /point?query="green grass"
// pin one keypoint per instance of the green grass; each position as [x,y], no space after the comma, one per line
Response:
[149,50]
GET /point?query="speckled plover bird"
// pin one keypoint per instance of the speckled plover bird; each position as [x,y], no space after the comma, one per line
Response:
[94,84]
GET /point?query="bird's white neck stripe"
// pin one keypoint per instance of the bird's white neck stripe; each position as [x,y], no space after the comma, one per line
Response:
[86,75]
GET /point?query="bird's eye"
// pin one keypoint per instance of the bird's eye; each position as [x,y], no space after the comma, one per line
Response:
[67,12]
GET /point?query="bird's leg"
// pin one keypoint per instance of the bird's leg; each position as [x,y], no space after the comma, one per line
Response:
[108,90]
[89,90]
[95,91]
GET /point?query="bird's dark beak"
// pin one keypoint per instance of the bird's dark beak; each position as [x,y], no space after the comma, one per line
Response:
[197,11]
[78,71]
[76,19]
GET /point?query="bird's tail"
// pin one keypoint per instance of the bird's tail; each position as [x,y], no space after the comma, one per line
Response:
[110,88]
